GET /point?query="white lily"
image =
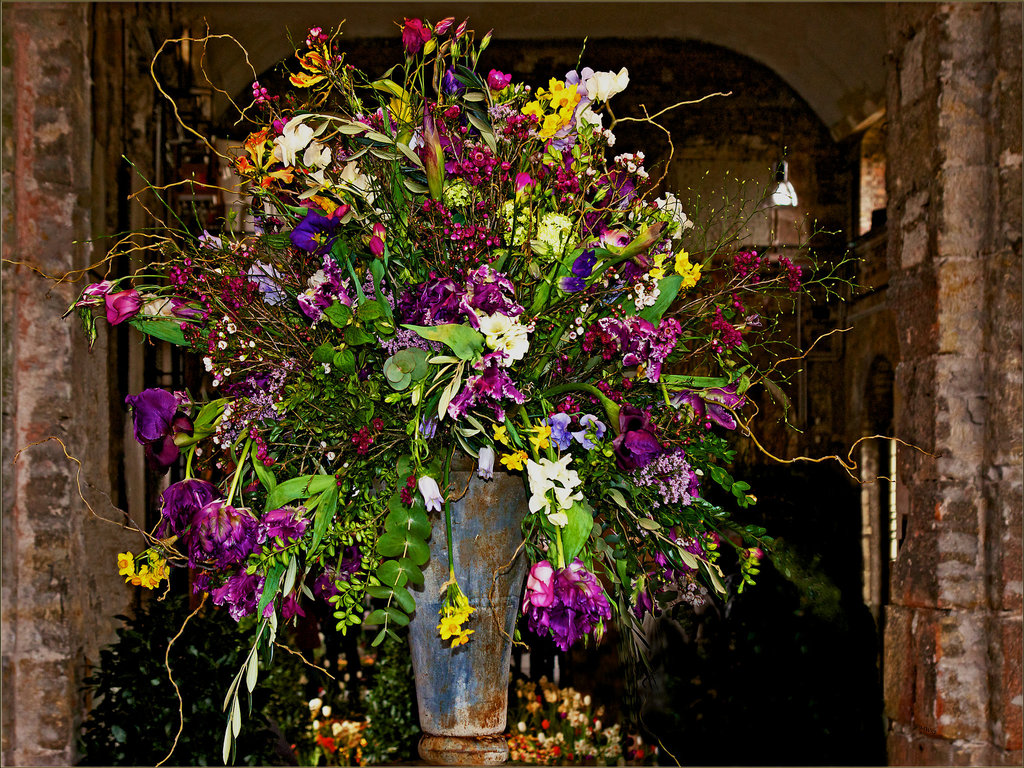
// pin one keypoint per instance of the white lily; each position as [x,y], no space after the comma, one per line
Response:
[294,138]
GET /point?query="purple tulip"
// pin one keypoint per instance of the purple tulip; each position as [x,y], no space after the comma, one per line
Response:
[636,444]
[566,604]
[241,594]
[181,503]
[286,524]
[156,420]
[221,534]
[122,306]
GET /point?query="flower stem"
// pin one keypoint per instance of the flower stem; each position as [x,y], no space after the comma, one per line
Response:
[238,470]
[558,543]
[610,406]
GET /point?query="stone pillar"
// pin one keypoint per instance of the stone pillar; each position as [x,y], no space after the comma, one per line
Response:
[953,626]
[60,585]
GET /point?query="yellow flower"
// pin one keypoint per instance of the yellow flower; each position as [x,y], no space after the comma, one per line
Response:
[125,564]
[501,434]
[542,433]
[534,108]
[462,638]
[689,272]
[550,126]
[514,460]
[449,626]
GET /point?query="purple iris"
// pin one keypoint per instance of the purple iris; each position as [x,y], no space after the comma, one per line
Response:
[241,594]
[156,421]
[181,503]
[566,604]
[221,534]
[636,445]
[315,233]
[285,524]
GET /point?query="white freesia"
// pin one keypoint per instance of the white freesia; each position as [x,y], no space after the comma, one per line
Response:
[601,86]
[294,138]
[356,181]
[674,207]
[590,117]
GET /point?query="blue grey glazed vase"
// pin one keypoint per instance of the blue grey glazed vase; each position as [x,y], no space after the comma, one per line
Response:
[462,693]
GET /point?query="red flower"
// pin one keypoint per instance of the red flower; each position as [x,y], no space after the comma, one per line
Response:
[327,743]
[414,35]
[545,724]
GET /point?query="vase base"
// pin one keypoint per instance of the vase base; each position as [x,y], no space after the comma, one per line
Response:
[464,750]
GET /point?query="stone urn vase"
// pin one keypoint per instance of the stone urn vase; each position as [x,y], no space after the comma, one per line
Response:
[462,693]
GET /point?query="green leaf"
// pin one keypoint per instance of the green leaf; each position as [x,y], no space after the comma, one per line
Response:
[164,329]
[411,570]
[369,310]
[392,544]
[669,287]
[324,514]
[407,520]
[465,341]
[355,336]
[303,486]
[252,672]
[695,382]
[377,640]
[405,600]
[649,525]
[345,361]
[419,552]
[396,616]
[339,314]
[376,617]
[289,576]
[323,354]
[618,498]
[392,574]
[577,530]
[270,587]
[379,591]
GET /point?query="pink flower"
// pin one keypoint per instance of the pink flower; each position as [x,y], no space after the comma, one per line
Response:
[540,586]
[498,81]
[443,25]
[414,35]
[377,241]
[524,181]
[98,289]
[122,306]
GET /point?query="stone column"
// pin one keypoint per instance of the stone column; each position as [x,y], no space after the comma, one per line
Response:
[60,585]
[953,626]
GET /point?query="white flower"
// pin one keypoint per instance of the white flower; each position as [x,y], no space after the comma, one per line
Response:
[295,137]
[601,86]
[156,306]
[486,466]
[590,117]
[336,728]
[547,475]
[521,727]
[431,493]
[505,334]
[354,179]
[316,156]
[315,704]
[674,207]
[326,711]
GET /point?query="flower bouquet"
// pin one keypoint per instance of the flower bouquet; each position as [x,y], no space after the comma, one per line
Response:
[440,259]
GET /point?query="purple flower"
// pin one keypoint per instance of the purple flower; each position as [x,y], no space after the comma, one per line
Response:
[241,594]
[583,266]
[489,292]
[285,524]
[181,502]
[559,423]
[156,420]
[566,604]
[593,429]
[122,306]
[489,388]
[636,444]
[710,405]
[571,284]
[351,561]
[221,534]
[315,233]
[485,468]
[290,607]
[450,84]
[268,280]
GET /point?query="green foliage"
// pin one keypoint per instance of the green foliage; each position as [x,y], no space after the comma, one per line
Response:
[135,716]
[391,707]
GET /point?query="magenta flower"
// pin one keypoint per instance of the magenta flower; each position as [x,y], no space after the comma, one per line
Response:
[156,420]
[443,25]
[290,607]
[122,306]
[498,81]
[540,586]
[566,604]
[414,36]
[636,445]
[241,594]
[377,241]
[181,503]
[285,525]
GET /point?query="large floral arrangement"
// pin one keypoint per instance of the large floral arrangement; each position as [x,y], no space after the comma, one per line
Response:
[443,259]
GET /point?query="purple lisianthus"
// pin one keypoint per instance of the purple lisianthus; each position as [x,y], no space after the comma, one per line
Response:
[222,534]
[592,429]
[414,36]
[181,503]
[566,604]
[241,594]
[315,233]
[285,524]
[450,83]
[636,445]
[583,266]
[156,420]
[571,284]
[122,306]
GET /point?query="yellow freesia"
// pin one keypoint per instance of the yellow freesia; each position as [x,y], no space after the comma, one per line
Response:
[541,435]
[514,460]
[501,434]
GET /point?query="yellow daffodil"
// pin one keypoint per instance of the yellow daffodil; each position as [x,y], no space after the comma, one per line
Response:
[501,434]
[515,460]
[541,435]
[689,272]
[125,564]
[449,626]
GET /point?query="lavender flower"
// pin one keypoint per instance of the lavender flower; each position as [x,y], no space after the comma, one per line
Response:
[268,280]
[671,478]
[559,423]
[315,233]
[592,429]
[432,498]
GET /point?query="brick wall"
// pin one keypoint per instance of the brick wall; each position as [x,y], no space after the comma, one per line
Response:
[953,635]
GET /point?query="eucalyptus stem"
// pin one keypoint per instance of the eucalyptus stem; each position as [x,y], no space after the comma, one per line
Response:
[238,470]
